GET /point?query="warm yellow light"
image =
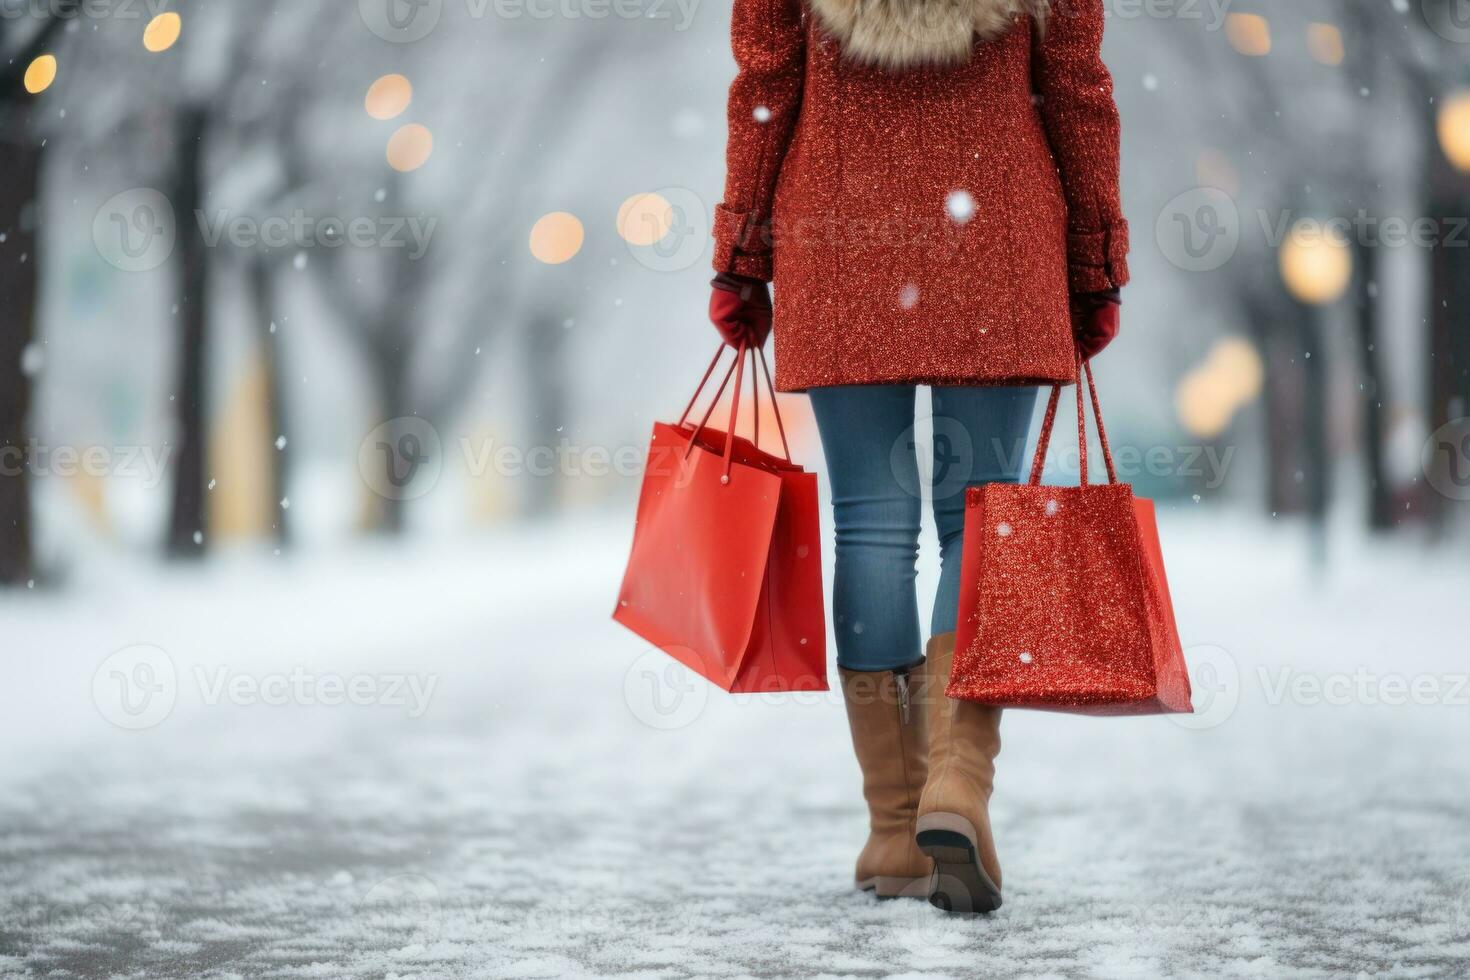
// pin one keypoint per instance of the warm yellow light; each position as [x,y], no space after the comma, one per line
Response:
[162,32]
[645,219]
[1204,405]
[1210,395]
[1454,129]
[410,147]
[1315,266]
[556,237]
[388,97]
[1324,42]
[1250,34]
[1236,364]
[40,74]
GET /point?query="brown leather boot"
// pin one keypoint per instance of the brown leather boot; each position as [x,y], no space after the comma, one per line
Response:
[953,826]
[891,741]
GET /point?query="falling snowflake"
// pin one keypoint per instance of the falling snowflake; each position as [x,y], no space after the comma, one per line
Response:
[1150,82]
[280,442]
[300,261]
[909,297]
[960,205]
[32,359]
[762,114]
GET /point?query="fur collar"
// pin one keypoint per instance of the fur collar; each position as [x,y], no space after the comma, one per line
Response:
[899,34]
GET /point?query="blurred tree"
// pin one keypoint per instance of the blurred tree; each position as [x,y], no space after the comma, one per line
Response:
[22,150]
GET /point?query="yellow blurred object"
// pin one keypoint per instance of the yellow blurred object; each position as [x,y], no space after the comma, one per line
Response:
[644,219]
[556,237]
[1454,129]
[40,74]
[410,147]
[388,97]
[1231,377]
[240,465]
[91,491]
[163,32]
[1324,42]
[1250,34]
[1316,266]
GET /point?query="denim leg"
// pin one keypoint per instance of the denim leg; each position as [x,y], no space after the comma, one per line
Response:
[867,437]
[979,437]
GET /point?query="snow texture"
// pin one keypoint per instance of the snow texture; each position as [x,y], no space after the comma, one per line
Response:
[547,817]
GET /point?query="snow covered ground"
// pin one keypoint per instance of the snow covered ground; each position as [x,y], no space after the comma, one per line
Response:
[446,761]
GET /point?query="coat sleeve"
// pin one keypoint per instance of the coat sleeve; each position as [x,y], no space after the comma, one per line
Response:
[1081,120]
[768,39]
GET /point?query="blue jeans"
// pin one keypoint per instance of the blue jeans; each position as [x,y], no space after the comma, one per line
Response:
[872,463]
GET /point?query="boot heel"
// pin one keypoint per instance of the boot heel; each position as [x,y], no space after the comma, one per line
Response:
[960,883]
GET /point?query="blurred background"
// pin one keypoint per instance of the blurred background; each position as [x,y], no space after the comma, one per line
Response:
[331,336]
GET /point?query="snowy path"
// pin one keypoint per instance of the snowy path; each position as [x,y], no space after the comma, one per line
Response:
[545,818]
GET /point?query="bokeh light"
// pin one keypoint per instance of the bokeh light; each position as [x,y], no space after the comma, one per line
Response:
[388,97]
[40,74]
[410,147]
[1454,129]
[556,237]
[1230,377]
[163,32]
[1250,34]
[1324,42]
[1315,265]
[644,219]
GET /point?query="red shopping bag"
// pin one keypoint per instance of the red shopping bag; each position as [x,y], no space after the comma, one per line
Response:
[1065,606]
[725,574]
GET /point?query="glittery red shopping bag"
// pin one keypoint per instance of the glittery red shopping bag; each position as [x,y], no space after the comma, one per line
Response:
[1064,605]
[725,574]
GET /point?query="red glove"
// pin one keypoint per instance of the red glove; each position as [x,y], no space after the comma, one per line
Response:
[740,309]
[1095,321]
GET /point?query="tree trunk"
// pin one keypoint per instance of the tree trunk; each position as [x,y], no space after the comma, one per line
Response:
[20,162]
[263,300]
[1380,495]
[186,529]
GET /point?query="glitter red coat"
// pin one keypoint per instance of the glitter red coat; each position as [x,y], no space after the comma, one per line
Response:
[838,180]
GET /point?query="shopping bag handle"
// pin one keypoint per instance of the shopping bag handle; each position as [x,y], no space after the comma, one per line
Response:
[736,370]
[1039,461]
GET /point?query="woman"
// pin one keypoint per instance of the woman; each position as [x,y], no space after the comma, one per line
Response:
[933,187]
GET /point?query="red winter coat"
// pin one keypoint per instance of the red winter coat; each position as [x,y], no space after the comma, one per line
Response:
[925,181]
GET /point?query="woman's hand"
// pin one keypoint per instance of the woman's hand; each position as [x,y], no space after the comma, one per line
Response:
[740,309]
[1095,321]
